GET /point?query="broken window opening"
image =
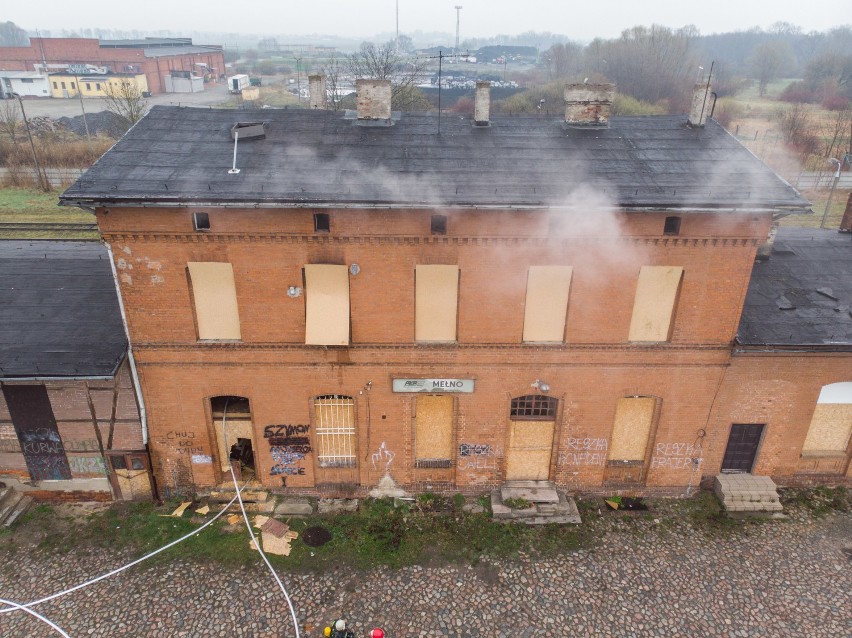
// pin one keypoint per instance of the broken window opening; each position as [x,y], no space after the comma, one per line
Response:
[322,223]
[439,224]
[201,221]
[671,226]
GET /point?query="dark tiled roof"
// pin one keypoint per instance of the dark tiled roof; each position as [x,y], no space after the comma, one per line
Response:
[180,154]
[801,295]
[59,314]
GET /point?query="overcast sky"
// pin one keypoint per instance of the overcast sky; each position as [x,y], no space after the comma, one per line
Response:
[479,18]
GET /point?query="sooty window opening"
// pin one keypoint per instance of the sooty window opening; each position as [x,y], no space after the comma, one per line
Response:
[322,222]
[439,224]
[201,221]
[672,226]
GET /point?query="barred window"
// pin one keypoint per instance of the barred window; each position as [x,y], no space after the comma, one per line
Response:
[533,407]
[334,416]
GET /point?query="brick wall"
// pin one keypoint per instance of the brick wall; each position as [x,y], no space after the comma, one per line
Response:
[700,390]
[780,391]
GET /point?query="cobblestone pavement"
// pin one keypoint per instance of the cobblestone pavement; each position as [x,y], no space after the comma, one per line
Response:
[777,579]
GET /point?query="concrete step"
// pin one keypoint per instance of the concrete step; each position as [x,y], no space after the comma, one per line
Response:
[15,514]
[10,502]
[747,493]
[564,511]
[536,494]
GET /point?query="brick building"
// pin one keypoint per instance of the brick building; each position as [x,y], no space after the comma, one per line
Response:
[70,427]
[157,58]
[335,297]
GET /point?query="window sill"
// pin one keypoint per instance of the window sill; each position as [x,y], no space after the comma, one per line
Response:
[824,454]
[625,463]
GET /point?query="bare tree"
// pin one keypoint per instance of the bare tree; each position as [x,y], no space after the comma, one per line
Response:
[384,63]
[648,63]
[334,71]
[768,61]
[10,119]
[124,99]
[11,35]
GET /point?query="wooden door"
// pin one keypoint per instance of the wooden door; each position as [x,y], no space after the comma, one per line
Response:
[132,476]
[530,447]
[742,448]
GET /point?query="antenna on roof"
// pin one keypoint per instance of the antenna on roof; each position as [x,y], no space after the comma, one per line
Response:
[234,170]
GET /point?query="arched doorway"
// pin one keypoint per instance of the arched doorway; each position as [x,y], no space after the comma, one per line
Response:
[532,422]
[235,441]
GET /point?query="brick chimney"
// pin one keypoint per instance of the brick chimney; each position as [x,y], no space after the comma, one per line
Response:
[316,89]
[482,104]
[700,105]
[588,105]
[373,99]
[846,222]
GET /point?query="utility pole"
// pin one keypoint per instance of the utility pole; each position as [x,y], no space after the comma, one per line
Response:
[458,21]
[397,26]
[42,180]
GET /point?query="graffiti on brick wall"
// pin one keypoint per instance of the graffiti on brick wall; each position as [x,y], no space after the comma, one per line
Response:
[382,457]
[477,457]
[288,445]
[584,451]
[48,468]
[41,441]
[87,464]
[677,456]
[184,442]
[82,445]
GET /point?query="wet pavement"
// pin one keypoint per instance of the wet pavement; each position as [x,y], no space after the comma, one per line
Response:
[776,579]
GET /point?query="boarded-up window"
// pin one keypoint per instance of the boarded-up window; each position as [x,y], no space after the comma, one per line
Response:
[436,302]
[334,418]
[831,425]
[433,438]
[632,429]
[215,297]
[654,306]
[547,303]
[326,305]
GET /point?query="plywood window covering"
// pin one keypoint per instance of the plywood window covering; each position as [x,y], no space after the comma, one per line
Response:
[654,307]
[326,305]
[334,430]
[436,302]
[433,437]
[215,296]
[632,429]
[533,407]
[831,424]
[547,303]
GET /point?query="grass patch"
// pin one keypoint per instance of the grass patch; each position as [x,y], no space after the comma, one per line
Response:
[817,502]
[382,534]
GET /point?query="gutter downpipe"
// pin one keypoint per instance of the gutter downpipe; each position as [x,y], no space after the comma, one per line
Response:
[136,386]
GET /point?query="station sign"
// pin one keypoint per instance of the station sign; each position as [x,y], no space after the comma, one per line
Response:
[433,385]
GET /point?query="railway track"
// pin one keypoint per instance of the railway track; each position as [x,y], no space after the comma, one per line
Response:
[26,227]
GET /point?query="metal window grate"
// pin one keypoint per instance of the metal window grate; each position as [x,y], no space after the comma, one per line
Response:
[433,463]
[533,407]
[335,430]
